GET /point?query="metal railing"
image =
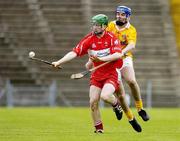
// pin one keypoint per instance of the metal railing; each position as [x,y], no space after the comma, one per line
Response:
[48,94]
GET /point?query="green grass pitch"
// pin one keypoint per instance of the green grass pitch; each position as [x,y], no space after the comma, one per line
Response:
[75,124]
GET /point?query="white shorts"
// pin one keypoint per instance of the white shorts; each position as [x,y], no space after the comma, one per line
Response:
[127,62]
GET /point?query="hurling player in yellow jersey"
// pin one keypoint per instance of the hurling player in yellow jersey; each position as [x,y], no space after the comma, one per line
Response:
[126,33]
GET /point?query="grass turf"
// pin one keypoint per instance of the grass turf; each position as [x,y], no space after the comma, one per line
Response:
[75,124]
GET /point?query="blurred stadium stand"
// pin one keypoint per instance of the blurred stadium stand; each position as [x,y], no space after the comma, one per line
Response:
[51,28]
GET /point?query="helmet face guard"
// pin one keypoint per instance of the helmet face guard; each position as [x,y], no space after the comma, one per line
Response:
[124,9]
[99,21]
[127,13]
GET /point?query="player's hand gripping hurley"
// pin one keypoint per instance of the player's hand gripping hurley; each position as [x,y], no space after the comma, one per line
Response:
[84,73]
[31,56]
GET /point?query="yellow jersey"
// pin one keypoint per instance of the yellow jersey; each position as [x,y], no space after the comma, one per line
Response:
[125,35]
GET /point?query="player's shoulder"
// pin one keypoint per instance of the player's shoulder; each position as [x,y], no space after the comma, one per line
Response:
[86,39]
[131,27]
[88,36]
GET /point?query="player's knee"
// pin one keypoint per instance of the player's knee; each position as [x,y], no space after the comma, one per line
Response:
[105,97]
[131,82]
[93,104]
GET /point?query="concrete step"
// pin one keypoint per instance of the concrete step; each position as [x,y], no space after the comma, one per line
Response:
[59,2]
[12,1]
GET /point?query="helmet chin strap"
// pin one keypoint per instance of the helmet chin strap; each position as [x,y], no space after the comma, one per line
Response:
[120,23]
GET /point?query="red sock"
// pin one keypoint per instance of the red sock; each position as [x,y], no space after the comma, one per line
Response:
[99,126]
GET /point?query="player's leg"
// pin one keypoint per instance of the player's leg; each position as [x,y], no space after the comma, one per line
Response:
[94,95]
[107,94]
[121,96]
[128,74]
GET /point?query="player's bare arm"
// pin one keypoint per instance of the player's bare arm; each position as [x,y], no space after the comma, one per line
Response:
[129,47]
[69,56]
[89,64]
[112,57]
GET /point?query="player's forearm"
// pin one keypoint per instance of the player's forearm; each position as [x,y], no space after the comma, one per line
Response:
[69,56]
[129,47]
[111,57]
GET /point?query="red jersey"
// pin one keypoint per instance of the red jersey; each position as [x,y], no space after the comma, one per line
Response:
[100,47]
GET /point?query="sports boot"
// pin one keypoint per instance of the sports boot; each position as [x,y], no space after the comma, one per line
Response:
[144,115]
[135,125]
[118,111]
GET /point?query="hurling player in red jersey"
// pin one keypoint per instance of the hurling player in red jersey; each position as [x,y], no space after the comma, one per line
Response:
[101,46]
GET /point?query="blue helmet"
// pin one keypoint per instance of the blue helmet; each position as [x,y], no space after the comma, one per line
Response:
[124,9]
